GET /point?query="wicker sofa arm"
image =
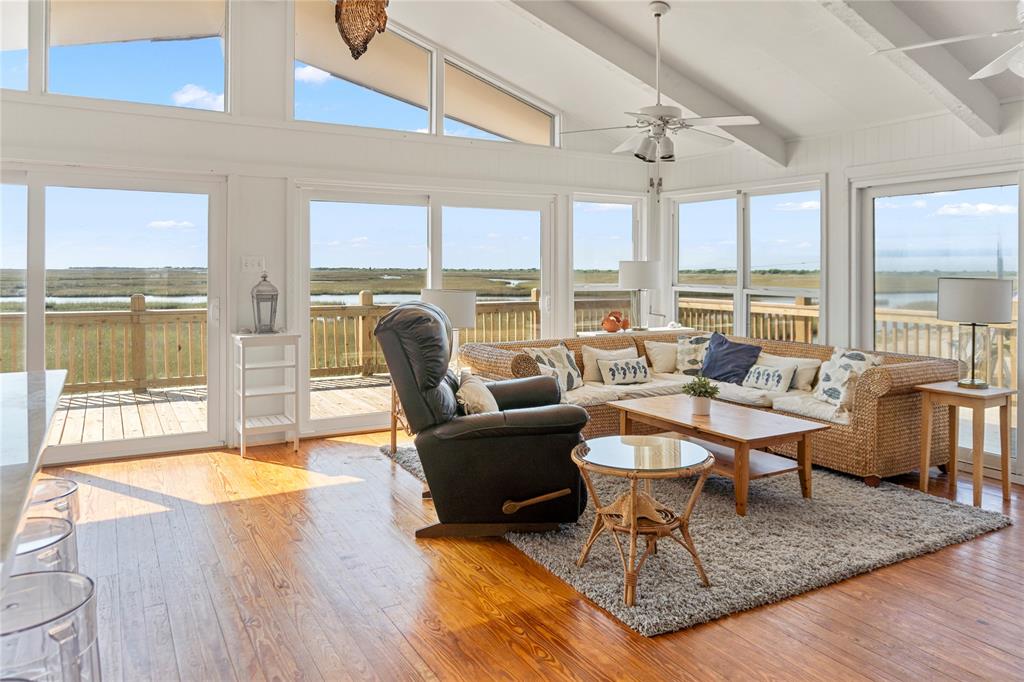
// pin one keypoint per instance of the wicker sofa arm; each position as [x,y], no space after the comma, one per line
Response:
[497,363]
[899,378]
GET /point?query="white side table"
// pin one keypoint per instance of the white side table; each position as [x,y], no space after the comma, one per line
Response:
[287,360]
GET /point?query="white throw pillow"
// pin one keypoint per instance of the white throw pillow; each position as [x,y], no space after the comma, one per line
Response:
[619,372]
[690,352]
[561,359]
[806,368]
[839,376]
[591,372]
[663,356]
[769,378]
[474,396]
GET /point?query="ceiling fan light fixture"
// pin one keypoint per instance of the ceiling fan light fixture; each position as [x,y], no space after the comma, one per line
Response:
[647,150]
[667,149]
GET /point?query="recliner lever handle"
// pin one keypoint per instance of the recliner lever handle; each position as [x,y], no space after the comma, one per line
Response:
[511,507]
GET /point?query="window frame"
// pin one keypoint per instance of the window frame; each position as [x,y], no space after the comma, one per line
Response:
[39,69]
[742,290]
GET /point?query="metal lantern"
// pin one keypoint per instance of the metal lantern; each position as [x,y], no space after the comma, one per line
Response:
[264,306]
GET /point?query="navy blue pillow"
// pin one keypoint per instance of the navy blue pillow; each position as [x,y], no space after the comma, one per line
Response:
[727,360]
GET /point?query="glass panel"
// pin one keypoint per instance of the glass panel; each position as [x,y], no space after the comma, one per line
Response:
[13,263]
[785,240]
[126,288]
[496,253]
[364,258]
[706,312]
[921,237]
[169,53]
[14,44]
[590,307]
[475,108]
[783,318]
[602,235]
[387,87]
[707,242]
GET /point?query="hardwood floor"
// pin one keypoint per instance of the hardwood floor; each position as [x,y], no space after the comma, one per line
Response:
[303,566]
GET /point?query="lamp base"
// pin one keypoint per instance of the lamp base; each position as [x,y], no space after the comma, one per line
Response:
[972,383]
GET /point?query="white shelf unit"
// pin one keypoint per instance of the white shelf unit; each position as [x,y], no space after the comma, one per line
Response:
[285,363]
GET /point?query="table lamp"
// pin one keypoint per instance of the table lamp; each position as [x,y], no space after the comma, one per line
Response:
[978,302]
[459,306]
[636,276]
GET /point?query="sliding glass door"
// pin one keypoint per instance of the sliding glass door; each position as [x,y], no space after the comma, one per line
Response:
[951,228]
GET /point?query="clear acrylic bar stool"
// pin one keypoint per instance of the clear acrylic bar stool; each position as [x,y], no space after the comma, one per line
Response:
[48,628]
[55,497]
[46,543]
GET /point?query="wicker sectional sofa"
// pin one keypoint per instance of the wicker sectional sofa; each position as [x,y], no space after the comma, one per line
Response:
[880,436]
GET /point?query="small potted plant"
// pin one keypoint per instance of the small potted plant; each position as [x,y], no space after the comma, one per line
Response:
[702,391]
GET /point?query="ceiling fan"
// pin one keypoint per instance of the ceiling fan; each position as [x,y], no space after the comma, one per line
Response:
[1012,59]
[655,123]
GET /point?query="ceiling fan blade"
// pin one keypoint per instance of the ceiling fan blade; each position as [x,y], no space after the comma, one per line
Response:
[637,114]
[630,143]
[999,64]
[947,41]
[722,121]
[716,140]
[594,130]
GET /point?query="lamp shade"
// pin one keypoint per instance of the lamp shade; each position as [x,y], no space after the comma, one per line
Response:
[639,274]
[975,299]
[459,306]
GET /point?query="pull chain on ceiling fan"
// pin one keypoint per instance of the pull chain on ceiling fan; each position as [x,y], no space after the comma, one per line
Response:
[655,123]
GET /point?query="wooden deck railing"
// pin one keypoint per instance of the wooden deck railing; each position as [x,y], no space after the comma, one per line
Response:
[140,348]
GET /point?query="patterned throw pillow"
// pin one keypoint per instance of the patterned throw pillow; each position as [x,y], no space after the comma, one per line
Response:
[618,372]
[838,378]
[690,352]
[560,359]
[769,378]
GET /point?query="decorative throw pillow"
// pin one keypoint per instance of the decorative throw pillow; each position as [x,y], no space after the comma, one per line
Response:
[591,372]
[474,396]
[663,356]
[727,360]
[770,378]
[839,376]
[561,359]
[618,372]
[806,368]
[690,352]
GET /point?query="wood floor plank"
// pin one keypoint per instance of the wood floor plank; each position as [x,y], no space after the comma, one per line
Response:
[304,566]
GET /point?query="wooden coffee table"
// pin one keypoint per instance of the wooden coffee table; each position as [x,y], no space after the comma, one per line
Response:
[737,431]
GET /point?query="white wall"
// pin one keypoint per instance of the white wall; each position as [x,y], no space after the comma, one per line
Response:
[938,144]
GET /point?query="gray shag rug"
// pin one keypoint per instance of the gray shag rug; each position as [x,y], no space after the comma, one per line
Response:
[784,546]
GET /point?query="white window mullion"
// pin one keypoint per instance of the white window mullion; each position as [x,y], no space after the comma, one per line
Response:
[38,28]
[435,257]
[35,278]
[739,314]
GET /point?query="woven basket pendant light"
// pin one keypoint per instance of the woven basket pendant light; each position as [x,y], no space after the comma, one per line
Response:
[358,21]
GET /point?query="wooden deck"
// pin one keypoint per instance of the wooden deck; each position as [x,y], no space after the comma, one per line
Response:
[117,415]
[304,566]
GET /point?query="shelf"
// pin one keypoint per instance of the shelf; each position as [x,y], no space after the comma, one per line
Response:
[267,364]
[259,391]
[265,424]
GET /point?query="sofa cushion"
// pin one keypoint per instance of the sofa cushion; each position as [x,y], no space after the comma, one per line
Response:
[589,395]
[839,375]
[663,356]
[806,405]
[806,368]
[473,395]
[744,395]
[727,360]
[591,371]
[690,352]
[622,372]
[770,378]
[561,359]
[657,386]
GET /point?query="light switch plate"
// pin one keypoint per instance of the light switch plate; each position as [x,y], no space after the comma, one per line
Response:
[254,263]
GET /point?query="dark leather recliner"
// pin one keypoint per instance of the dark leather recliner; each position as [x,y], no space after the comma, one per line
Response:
[488,473]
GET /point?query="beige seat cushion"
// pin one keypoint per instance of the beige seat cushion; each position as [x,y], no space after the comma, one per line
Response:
[591,371]
[805,404]
[590,394]
[744,395]
[649,389]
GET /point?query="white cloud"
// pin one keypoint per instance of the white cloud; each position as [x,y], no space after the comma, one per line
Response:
[198,97]
[798,206]
[804,245]
[311,75]
[919,203]
[885,203]
[979,209]
[422,130]
[358,241]
[170,224]
[602,208]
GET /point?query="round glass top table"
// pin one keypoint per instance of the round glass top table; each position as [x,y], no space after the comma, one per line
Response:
[636,512]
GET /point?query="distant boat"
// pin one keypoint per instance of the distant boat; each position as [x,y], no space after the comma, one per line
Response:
[508,282]
[391,277]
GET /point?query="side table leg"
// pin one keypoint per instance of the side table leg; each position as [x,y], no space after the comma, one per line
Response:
[978,456]
[684,528]
[954,449]
[595,531]
[926,440]
[1004,446]
[741,477]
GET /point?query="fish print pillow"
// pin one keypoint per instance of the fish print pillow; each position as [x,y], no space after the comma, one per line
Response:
[560,359]
[770,378]
[619,372]
[837,380]
[690,351]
